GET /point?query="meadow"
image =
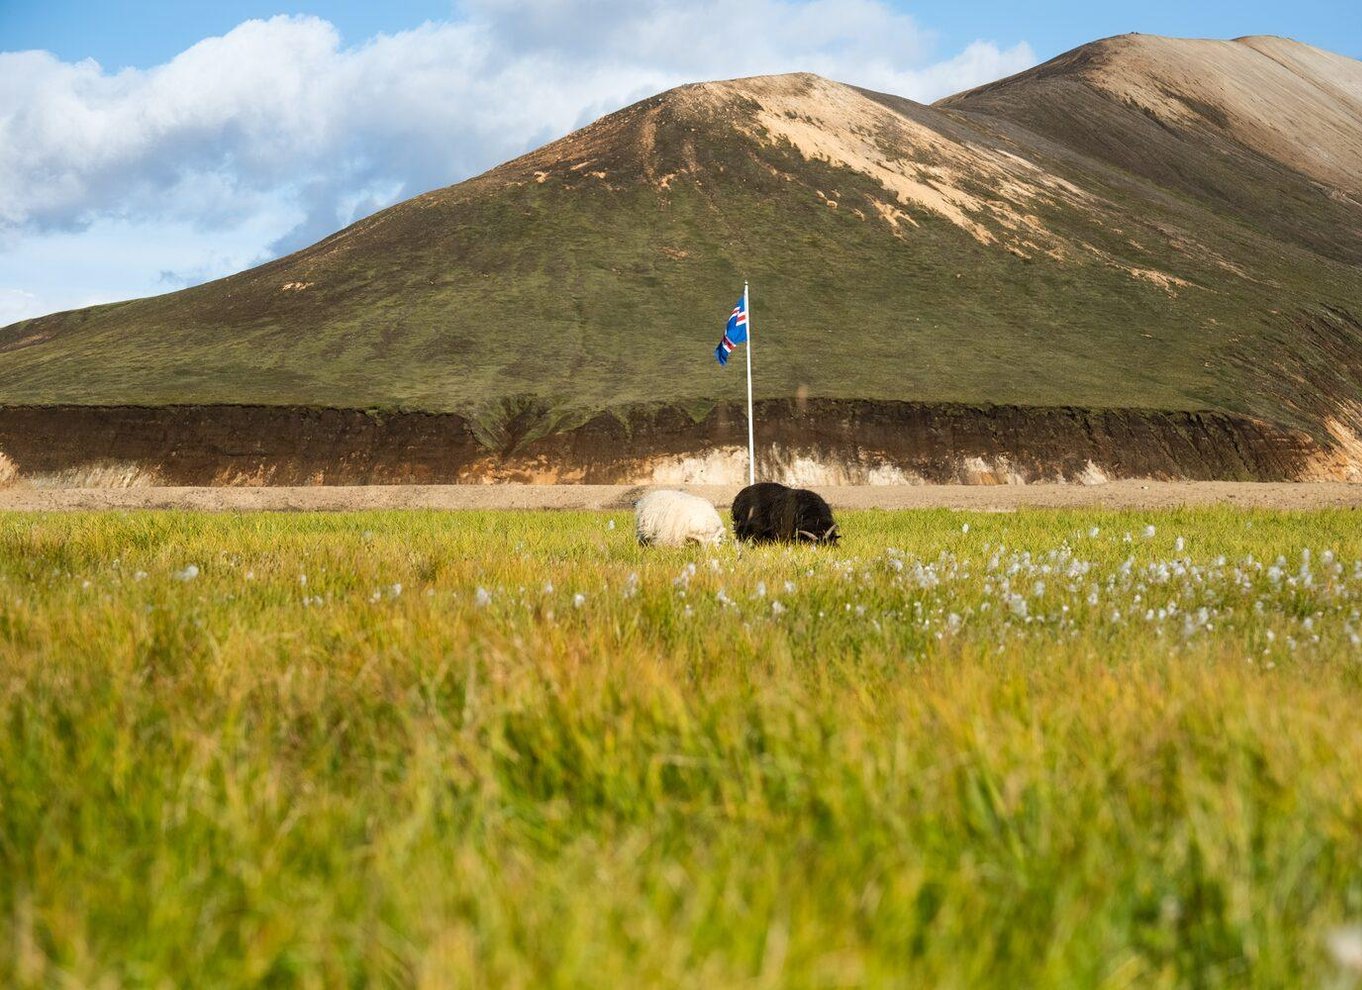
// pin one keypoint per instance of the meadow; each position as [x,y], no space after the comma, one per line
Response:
[514,749]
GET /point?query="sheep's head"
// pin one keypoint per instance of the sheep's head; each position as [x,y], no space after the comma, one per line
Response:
[714,538]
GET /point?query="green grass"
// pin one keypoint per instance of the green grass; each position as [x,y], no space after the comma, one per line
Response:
[921,769]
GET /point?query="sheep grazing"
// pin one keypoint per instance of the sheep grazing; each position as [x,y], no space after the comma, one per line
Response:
[768,512]
[673,519]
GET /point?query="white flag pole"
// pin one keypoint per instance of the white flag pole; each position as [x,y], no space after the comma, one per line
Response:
[751,442]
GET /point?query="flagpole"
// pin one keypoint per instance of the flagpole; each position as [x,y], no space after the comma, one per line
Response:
[751,442]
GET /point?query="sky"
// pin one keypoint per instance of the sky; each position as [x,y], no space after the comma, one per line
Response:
[149,145]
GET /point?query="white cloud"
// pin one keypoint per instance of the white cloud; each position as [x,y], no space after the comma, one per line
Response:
[276,126]
[116,258]
[17,304]
[706,38]
[979,63]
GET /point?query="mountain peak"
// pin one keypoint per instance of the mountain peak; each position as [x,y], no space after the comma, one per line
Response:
[792,125]
[792,82]
[1262,92]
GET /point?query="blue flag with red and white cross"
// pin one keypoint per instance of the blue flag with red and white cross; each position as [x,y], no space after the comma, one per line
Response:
[735,333]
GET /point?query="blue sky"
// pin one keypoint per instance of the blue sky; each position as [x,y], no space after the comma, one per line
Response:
[146,32]
[207,137]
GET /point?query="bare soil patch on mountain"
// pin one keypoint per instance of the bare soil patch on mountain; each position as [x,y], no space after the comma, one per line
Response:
[335,498]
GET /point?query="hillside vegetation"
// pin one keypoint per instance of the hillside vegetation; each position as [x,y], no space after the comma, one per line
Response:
[1061,238]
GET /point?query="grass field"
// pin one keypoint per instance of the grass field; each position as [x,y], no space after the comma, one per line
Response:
[1044,749]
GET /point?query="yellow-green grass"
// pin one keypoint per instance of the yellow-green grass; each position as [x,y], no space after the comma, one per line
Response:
[517,750]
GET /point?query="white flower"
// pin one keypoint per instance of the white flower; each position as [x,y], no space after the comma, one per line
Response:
[1149,532]
[610,524]
[761,589]
[188,574]
[482,598]
[1345,945]
[578,600]
[964,528]
[777,608]
[1093,532]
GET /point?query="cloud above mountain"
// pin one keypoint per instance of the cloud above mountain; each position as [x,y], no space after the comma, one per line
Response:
[279,129]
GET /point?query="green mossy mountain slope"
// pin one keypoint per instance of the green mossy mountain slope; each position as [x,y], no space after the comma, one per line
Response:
[1041,242]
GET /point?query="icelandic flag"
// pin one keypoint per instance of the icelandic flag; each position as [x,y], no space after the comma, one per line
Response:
[735,333]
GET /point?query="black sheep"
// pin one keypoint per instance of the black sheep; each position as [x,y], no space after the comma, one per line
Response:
[768,512]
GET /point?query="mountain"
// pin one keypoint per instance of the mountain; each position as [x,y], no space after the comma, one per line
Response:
[1143,224]
[1265,130]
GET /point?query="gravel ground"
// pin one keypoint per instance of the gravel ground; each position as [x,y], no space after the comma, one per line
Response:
[1117,494]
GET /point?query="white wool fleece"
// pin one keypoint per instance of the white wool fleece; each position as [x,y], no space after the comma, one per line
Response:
[673,519]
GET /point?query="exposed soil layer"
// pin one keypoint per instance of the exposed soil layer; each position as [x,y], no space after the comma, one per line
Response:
[811,442]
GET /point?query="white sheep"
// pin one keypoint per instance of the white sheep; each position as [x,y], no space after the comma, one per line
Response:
[673,519]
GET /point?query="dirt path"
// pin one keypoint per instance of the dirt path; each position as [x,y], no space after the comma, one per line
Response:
[1118,494]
